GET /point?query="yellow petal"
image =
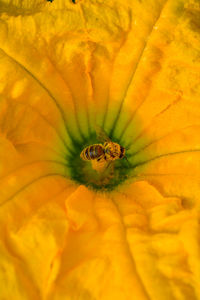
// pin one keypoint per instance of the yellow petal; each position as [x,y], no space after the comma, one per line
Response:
[133,68]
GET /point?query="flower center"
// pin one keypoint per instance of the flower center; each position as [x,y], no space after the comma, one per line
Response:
[110,152]
[99,170]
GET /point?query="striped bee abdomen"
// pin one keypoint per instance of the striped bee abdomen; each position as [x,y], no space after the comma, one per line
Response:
[92,152]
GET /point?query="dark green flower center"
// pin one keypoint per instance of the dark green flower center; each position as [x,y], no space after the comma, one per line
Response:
[113,174]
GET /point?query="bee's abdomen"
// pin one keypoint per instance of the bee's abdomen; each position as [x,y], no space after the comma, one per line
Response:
[86,153]
[92,152]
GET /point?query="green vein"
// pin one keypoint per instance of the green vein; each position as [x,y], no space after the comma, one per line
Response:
[133,74]
[47,121]
[157,140]
[48,92]
[33,163]
[164,155]
[28,185]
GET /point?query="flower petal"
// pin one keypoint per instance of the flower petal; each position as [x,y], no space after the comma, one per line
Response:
[133,68]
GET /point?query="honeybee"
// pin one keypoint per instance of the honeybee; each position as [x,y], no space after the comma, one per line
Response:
[109,151]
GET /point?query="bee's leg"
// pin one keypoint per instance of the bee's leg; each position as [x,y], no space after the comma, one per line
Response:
[109,168]
[102,157]
[108,165]
[98,164]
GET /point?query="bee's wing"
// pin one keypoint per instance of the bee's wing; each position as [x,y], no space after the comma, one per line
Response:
[101,134]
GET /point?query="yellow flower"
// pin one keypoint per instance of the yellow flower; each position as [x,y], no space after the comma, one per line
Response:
[133,68]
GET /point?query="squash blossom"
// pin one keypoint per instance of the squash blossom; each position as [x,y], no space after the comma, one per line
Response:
[75,230]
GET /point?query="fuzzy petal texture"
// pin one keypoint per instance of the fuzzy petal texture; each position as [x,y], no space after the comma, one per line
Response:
[132,67]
